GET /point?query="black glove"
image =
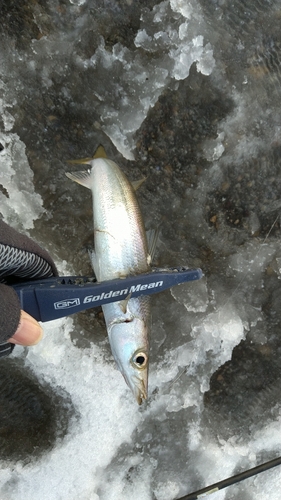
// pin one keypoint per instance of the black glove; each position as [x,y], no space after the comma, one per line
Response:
[20,259]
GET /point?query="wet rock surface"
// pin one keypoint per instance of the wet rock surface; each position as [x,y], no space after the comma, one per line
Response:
[33,417]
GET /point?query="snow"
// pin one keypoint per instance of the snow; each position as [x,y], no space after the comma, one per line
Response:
[74,87]
[122,67]
[19,204]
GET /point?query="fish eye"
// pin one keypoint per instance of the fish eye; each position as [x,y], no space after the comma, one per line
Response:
[140,359]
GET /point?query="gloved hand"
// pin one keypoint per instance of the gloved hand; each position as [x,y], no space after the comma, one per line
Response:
[20,259]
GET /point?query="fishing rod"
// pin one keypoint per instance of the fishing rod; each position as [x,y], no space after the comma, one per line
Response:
[220,485]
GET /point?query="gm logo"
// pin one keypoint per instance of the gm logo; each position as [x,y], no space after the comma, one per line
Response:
[67,303]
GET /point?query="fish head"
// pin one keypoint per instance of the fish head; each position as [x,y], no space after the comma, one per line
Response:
[129,347]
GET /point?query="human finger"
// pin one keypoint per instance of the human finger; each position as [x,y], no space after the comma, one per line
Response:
[29,331]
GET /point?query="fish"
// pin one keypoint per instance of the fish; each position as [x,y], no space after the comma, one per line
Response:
[120,250]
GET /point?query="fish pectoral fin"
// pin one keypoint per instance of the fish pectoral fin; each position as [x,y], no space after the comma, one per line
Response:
[95,263]
[124,303]
[137,184]
[152,236]
[82,178]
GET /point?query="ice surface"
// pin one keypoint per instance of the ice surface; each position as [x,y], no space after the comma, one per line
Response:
[213,149]
[195,297]
[194,88]
[135,79]
[19,202]
[89,447]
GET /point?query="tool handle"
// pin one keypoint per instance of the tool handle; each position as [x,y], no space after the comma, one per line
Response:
[55,298]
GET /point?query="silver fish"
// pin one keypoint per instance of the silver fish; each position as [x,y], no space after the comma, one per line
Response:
[120,250]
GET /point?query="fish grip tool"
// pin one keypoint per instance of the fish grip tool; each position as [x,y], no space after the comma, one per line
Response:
[54,298]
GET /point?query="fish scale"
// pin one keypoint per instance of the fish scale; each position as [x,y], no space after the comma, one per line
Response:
[120,250]
[120,242]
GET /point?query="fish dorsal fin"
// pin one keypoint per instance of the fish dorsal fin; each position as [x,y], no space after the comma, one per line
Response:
[152,239]
[100,153]
[82,178]
[124,303]
[138,183]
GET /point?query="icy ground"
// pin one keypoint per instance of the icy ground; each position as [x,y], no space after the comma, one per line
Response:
[187,94]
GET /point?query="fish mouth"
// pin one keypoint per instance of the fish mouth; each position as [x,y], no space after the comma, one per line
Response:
[138,387]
